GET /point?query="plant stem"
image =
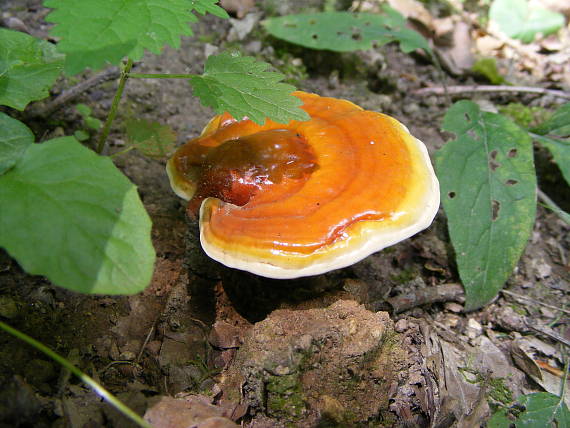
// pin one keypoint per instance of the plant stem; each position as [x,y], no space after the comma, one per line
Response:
[114,106]
[106,395]
[122,152]
[160,76]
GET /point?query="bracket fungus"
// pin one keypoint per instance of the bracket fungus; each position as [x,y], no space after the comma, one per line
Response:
[287,201]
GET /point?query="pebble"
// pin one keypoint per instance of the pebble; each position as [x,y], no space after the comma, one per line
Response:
[401,325]
[474,329]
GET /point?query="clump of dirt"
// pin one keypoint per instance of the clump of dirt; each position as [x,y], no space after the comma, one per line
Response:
[337,364]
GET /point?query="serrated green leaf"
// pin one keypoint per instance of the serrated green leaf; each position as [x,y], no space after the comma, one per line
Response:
[28,68]
[209,6]
[558,124]
[542,409]
[15,138]
[519,20]
[96,33]
[242,87]
[151,138]
[72,216]
[345,31]
[488,187]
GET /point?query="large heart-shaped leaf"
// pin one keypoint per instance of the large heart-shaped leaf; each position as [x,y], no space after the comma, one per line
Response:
[71,215]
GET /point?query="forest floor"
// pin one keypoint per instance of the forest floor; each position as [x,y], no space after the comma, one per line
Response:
[267,353]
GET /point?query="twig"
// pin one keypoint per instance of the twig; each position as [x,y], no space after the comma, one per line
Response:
[146,340]
[563,215]
[454,90]
[537,302]
[547,331]
[423,296]
[69,94]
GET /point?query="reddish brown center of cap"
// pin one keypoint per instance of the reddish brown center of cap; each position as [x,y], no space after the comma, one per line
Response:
[236,170]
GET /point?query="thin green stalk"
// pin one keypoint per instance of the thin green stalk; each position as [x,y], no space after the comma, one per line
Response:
[106,395]
[122,152]
[160,76]
[114,106]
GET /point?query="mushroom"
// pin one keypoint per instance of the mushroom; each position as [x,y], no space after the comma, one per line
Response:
[287,201]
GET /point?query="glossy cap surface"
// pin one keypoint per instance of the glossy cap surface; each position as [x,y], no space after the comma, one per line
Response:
[359,183]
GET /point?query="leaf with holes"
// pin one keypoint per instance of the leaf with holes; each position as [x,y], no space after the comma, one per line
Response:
[542,409]
[15,138]
[551,135]
[345,32]
[488,187]
[242,87]
[520,20]
[95,33]
[74,217]
[28,68]
[151,138]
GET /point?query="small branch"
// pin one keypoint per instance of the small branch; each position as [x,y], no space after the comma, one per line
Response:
[454,90]
[534,301]
[114,106]
[67,95]
[451,292]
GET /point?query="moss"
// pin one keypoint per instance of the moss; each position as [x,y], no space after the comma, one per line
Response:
[496,388]
[405,276]
[285,397]
[524,116]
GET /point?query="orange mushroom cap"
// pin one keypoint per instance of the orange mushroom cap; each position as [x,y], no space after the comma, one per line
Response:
[286,201]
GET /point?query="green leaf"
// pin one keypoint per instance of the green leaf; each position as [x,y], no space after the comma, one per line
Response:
[28,68]
[560,150]
[96,33]
[488,68]
[84,110]
[557,124]
[542,409]
[345,31]
[72,216]
[151,138]
[242,87]
[93,123]
[488,187]
[81,135]
[549,134]
[15,138]
[209,6]
[499,419]
[519,20]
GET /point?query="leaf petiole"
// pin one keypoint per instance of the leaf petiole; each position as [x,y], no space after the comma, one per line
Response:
[160,76]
